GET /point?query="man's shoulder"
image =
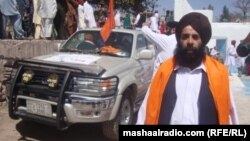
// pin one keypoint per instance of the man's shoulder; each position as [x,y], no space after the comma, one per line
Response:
[216,64]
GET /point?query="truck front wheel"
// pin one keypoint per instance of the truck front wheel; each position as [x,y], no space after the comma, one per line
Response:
[124,117]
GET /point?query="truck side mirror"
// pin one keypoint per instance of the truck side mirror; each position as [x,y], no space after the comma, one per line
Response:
[145,54]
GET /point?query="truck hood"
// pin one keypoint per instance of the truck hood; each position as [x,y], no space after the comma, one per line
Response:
[88,63]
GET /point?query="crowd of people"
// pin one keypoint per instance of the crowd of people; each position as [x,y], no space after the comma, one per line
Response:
[58,19]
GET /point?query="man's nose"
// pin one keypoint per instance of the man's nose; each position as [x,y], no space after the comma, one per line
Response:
[190,40]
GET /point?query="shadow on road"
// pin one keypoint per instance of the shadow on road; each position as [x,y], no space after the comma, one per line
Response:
[80,132]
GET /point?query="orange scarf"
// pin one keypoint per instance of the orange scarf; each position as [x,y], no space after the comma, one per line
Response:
[218,84]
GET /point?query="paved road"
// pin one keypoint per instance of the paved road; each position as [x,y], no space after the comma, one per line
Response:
[17,130]
[241,92]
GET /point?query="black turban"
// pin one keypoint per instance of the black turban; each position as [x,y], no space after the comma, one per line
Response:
[172,24]
[199,23]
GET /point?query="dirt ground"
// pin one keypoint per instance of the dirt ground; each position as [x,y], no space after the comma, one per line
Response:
[18,130]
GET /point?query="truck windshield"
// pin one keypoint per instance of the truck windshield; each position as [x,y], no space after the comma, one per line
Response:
[118,44]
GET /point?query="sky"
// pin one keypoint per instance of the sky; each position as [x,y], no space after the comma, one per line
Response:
[199,4]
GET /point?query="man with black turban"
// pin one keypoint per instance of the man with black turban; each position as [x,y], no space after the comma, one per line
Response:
[191,87]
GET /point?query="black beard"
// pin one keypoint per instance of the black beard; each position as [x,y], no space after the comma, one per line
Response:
[189,59]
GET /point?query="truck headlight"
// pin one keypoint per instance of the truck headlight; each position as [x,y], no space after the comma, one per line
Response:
[98,86]
[53,80]
[27,76]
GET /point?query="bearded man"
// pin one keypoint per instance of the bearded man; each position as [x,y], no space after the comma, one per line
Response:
[188,88]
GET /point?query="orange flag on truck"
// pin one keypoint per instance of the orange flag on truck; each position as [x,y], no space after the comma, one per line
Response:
[109,23]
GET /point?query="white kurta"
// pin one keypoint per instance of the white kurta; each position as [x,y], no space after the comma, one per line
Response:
[165,45]
[154,24]
[118,19]
[36,20]
[81,20]
[89,15]
[47,11]
[231,56]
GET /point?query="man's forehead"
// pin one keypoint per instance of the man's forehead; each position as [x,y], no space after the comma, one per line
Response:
[189,29]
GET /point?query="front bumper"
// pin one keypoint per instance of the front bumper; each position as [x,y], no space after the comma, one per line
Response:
[78,109]
[87,109]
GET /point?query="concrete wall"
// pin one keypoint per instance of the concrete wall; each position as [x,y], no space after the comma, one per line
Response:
[22,49]
[230,31]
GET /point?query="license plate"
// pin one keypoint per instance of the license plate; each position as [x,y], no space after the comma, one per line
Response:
[39,108]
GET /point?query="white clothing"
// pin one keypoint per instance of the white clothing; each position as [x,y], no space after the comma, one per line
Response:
[118,19]
[188,83]
[154,24]
[47,8]
[36,20]
[138,16]
[36,17]
[89,15]
[240,61]
[157,17]
[213,52]
[81,21]
[165,45]
[231,56]
[46,27]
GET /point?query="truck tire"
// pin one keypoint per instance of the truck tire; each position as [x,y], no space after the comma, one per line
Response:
[124,117]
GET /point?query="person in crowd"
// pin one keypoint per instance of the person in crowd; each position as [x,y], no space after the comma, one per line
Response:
[80,11]
[71,16]
[36,20]
[89,15]
[21,6]
[27,19]
[187,88]
[127,22]
[213,52]
[231,56]
[118,23]
[157,17]
[47,11]
[154,23]
[60,20]
[167,17]
[139,20]
[9,10]
[101,14]
[240,63]
[171,27]
[163,28]
[165,45]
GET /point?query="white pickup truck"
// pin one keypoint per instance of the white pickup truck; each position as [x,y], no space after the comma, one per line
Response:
[105,83]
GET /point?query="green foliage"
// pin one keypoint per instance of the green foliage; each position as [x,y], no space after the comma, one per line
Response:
[225,16]
[132,5]
[210,7]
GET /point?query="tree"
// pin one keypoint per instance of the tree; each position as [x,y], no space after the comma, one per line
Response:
[150,4]
[210,7]
[244,6]
[133,5]
[225,17]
